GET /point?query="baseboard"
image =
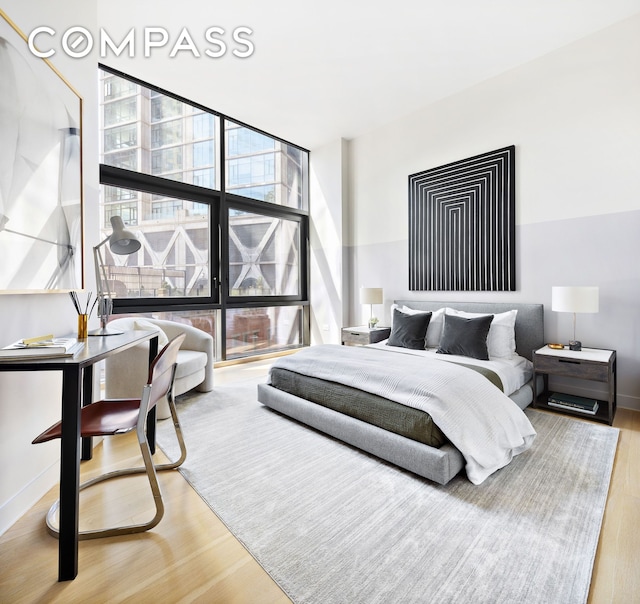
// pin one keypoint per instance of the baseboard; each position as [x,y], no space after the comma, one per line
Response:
[13,509]
[629,402]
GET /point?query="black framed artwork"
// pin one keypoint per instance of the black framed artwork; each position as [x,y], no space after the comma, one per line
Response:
[41,232]
[462,225]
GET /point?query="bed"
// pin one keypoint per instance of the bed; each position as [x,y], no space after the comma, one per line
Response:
[294,392]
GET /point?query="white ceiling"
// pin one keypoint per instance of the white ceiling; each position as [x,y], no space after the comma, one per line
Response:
[339,68]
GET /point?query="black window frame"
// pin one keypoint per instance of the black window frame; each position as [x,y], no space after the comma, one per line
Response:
[220,202]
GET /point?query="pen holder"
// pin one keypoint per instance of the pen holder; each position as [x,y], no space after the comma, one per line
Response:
[83,321]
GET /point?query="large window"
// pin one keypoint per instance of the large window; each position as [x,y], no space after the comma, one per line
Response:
[223,220]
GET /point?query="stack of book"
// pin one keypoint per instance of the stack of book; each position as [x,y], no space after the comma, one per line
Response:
[573,403]
[41,347]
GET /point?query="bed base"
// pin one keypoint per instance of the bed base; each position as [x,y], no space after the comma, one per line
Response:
[439,465]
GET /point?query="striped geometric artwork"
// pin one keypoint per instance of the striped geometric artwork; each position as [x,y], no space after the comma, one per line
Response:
[462,225]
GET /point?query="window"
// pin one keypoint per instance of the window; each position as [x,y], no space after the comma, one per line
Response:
[165,209]
[166,160]
[204,178]
[163,107]
[203,126]
[224,245]
[207,320]
[120,111]
[112,194]
[245,141]
[127,211]
[174,258]
[250,170]
[264,255]
[166,133]
[121,137]
[149,132]
[261,167]
[202,154]
[264,329]
[115,88]
[123,159]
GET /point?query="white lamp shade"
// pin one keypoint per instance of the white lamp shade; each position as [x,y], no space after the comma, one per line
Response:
[371,295]
[574,299]
[122,241]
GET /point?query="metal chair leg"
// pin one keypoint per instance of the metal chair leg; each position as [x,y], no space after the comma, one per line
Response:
[149,469]
[171,465]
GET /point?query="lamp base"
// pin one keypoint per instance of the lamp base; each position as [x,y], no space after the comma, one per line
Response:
[575,345]
[105,331]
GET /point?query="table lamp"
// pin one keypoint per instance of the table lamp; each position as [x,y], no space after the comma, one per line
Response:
[575,300]
[371,296]
[122,242]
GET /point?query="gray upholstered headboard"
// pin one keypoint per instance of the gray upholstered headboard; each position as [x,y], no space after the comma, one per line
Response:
[529,320]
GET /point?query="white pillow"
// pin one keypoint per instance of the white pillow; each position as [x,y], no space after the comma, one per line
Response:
[436,323]
[501,340]
[143,325]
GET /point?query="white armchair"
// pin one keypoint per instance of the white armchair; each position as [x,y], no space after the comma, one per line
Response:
[126,373]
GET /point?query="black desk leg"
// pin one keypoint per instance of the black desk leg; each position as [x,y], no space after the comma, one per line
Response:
[151,417]
[69,473]
[87,399]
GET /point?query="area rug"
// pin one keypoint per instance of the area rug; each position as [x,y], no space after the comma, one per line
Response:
[331,524]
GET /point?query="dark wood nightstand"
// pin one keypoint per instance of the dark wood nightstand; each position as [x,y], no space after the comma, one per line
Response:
[360,336]
[591,364]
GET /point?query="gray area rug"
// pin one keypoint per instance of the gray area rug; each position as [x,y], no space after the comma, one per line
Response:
[332,524]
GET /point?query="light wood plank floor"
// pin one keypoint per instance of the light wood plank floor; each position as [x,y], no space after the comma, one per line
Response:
[191,557]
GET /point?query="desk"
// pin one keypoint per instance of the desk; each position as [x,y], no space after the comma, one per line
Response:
[77,387]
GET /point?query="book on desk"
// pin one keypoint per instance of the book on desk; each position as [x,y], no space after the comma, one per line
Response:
[40,348]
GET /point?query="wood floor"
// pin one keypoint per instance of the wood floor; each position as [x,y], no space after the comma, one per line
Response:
[191,557]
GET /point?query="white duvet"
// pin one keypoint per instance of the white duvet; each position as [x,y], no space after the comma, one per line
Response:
[487,427]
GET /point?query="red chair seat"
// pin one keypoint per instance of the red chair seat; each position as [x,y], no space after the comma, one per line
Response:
[102,418]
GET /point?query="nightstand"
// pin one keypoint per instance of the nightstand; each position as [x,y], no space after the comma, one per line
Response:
[360,336]
[591,364]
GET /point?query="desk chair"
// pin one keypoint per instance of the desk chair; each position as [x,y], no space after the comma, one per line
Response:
[112,417]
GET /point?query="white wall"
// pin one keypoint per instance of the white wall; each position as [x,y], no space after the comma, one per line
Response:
[30,402]
[328,223]
[574,118]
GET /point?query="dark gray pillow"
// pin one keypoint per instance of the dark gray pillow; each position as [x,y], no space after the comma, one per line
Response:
[409,331]
[465,337]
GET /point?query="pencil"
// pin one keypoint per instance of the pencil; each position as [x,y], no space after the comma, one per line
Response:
[75,302]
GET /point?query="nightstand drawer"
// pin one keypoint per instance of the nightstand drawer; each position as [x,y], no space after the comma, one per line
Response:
[362,335]
[354,337]
[576,368]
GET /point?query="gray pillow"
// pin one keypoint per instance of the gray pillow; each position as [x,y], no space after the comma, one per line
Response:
[465,336]
[409,331]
